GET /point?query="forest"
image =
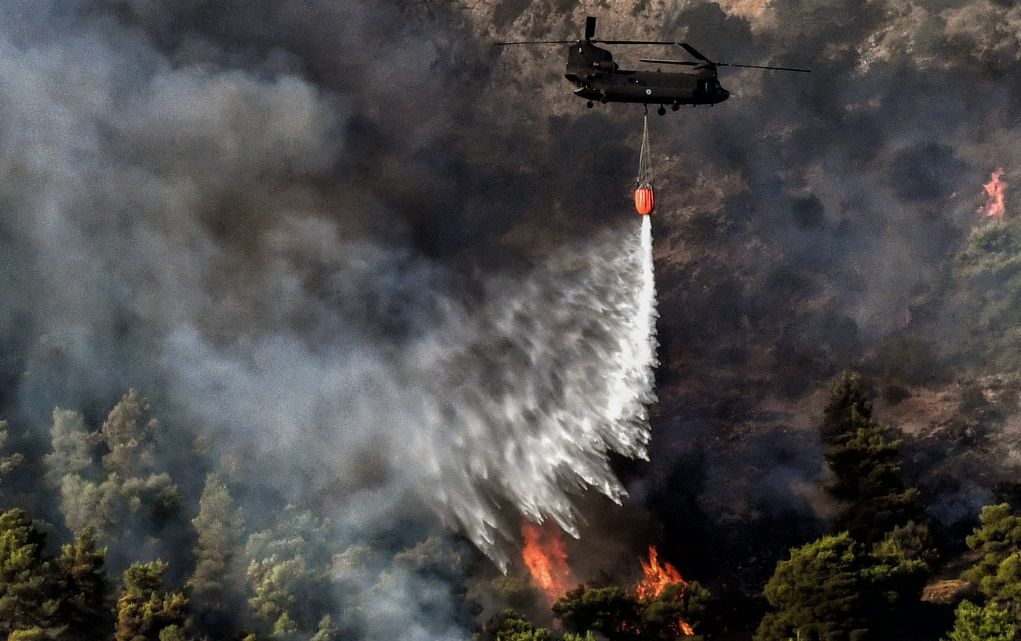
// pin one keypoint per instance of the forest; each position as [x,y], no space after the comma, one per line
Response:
[296,293]
[124,556]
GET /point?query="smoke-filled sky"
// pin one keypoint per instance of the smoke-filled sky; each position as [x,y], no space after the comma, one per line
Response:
[332,230]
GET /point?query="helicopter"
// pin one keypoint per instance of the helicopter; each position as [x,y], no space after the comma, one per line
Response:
[596,77]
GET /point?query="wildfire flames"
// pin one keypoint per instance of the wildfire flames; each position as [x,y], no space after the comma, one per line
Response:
[546,559]
[994,207]
[656,579]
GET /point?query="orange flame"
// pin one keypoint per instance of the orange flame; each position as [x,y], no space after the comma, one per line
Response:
[995,189]
[546,559]
[657,577]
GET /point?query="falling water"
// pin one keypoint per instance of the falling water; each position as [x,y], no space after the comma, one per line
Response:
[574,371]
[488,413]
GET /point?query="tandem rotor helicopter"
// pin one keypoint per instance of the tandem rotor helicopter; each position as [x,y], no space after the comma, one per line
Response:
[597,77]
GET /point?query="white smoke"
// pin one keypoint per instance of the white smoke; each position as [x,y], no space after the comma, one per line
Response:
[166,226]
[516,401]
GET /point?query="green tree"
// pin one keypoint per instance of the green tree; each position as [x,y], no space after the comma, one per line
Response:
[866,471]
[145,608]
[83,609]
[817,593]
[605,610]
[25,575]
[130,437]
[898,567]
[833,590]
[288,587]
[285,627]
[663,616]
[865,464]
[29,634]
[72,447]
[848,407]
[9,462]
[981,623]
[997,573]
[172,633]
[288,570]
[219,525]
[326,630]
[510,625]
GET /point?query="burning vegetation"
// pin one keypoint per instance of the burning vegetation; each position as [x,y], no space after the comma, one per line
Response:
[657,579]
[240,211]
[545,558]
[657,576]
[995,190]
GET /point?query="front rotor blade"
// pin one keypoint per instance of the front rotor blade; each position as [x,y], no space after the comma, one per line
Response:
[693,51]
[730,64]
[686,63]
[536,42]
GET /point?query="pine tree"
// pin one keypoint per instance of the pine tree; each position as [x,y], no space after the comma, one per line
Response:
[288,587]
[25,576]
[130,439]
[981,623]
[817,593]
[866,468]
[213,584]
[997,573]
[866,472]
[326,630]
[72,447]
[603,610]
[848,407]
[34,633]
[510,625]
[10,462]
[219,524]
[145,609]
[835,590]
[84,590]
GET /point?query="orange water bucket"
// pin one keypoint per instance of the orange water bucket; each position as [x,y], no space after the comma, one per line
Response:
[645,199]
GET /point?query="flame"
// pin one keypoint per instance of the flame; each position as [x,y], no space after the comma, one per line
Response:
[656,579]
[546,559]
[995,188]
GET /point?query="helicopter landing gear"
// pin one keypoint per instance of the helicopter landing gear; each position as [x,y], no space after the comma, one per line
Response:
[674,107]
[589,104]
[662,110]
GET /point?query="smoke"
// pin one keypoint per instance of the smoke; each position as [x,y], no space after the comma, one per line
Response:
[256,242]
[514,401]
[383,257]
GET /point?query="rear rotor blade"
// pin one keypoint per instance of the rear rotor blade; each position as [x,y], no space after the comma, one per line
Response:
[730,64]
[634,42]
[693,51]
[686,63]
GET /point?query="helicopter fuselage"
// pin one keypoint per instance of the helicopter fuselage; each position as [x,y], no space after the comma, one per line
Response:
[596,77]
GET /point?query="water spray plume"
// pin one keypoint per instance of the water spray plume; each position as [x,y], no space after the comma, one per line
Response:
[995,191]
[546,560]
